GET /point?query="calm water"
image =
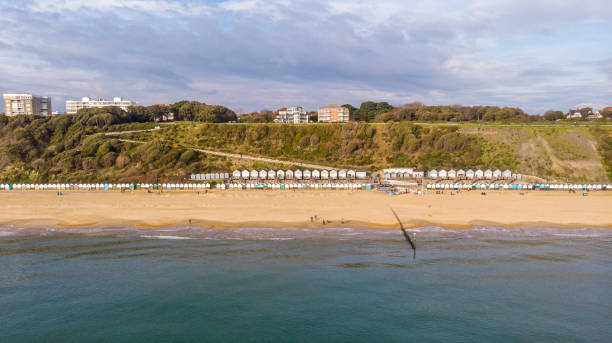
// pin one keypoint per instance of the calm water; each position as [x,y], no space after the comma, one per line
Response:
[181,284]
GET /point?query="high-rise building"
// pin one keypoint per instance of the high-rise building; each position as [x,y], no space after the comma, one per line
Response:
[333,114]
[72,106]
[26,104]
[295,115]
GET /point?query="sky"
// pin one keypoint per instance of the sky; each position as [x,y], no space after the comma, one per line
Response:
[254,54]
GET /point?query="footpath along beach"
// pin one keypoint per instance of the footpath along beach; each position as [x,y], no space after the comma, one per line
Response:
[339,208]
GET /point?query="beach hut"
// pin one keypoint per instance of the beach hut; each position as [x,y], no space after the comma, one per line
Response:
[452,174]
[506,174]
[271,174]
[497,174]
[479,174]
[350,174]
[280,174]
[298,174]
[342,174]
[461,174]
[324,174]
[306,174]
[245,174]
[263,174]
[333,174]
[316,174]
[442,174]
[418,173]
[361,174]
[488,174]
[236,174]
[470,174]
[254,174]
[432,174]
[289,174]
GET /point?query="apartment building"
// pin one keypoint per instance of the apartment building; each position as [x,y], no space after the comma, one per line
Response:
[26,104]
[294,115]
[333,114]
[72,106]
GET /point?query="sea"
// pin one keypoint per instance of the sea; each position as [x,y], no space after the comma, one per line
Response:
[195,284]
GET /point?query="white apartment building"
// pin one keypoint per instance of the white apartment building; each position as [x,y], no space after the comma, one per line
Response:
[72,106]
[26,104]
[295,115]
[333,114]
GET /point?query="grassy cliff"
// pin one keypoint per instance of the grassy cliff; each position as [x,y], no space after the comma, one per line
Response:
[75,148]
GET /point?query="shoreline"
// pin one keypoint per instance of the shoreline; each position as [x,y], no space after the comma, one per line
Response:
[282,209]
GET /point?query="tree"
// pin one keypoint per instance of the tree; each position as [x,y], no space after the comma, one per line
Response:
[553,115]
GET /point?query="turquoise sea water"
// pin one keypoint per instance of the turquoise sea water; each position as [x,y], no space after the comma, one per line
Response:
[351,285]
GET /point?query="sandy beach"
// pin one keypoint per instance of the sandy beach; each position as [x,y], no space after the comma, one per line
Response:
[223,209]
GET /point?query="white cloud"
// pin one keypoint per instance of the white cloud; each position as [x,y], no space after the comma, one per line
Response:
[254,53]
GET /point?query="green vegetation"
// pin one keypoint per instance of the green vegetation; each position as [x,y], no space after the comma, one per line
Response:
[74,147]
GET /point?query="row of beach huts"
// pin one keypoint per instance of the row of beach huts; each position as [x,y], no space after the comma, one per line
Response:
[249,185]
[451,174]
[565,187]
[298,174]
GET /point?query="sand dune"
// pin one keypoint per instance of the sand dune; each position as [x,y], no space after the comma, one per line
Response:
[287,208]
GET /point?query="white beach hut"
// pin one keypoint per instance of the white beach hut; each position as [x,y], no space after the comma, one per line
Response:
[236,174]
[452,174]
[469,174]
[479,174]
[432,174]
[254,174]
[297,174]
[342,174]
[280,174]
[418,173]
[488,174]
[442,174]
[350,174]
[289,174]
[271,174]
[506,174]
[263,174]
[324,174]
[316,174]
[361,174]
[461,174]
[333,174]
[306,174]
[497,174]
[245,174]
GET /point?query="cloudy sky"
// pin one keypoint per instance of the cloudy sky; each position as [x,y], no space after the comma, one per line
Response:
[254,54]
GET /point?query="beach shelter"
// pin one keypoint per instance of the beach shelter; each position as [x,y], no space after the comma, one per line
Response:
[271,174]
[306,174]
[506,174]
[333,174]
[470,174]
[497,174]
[442,174]
[324,174]
[461,174]
[297,174]
[254,174]
[432,174]
[280,174]
[245,174]
[342,174]
[350,174]
[452,174]
[316,174]
[263,174]
[289,174]
[488,174]
[236,174]
[479,174]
